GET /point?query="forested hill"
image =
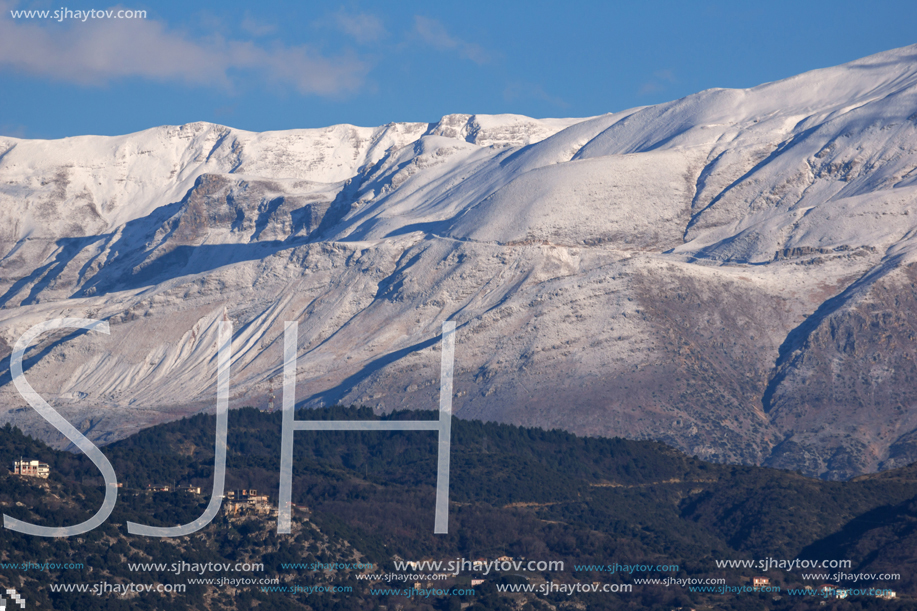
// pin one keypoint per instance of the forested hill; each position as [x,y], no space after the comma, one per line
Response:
[519,492]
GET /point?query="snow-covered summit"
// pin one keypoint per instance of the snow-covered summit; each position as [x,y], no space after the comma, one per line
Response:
[706,271]
[98,182]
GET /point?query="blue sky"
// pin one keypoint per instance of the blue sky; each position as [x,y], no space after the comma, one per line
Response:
[312,64]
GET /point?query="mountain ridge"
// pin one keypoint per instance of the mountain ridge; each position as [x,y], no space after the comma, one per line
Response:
[685,272]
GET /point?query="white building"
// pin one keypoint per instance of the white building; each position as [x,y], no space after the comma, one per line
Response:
[31,468]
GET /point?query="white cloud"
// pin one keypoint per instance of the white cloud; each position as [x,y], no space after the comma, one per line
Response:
[658,82]
[255,27]
[435,34]
[362,27]
[97,51]
[665,75]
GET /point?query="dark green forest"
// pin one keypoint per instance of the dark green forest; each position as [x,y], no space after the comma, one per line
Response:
[519,492]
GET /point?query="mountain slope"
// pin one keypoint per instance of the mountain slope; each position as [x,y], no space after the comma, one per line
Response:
[691,272]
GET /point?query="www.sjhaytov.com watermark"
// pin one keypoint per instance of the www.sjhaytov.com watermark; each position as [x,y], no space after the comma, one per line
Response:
[66,14]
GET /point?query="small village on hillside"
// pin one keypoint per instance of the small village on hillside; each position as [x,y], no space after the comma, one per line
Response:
[237,503]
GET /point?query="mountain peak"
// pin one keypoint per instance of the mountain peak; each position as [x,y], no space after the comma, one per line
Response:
[707,272]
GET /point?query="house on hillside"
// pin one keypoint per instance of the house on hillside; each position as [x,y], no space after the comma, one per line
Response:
[760,582]
[31,468]
[248,501]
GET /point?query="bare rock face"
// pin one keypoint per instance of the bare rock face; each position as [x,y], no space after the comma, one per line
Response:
[732,273]
[856,354]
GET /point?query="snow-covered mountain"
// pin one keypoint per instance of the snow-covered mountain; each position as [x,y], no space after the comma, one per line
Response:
[732,273]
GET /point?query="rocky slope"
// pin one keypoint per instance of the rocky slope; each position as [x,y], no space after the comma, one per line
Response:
[731,273]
